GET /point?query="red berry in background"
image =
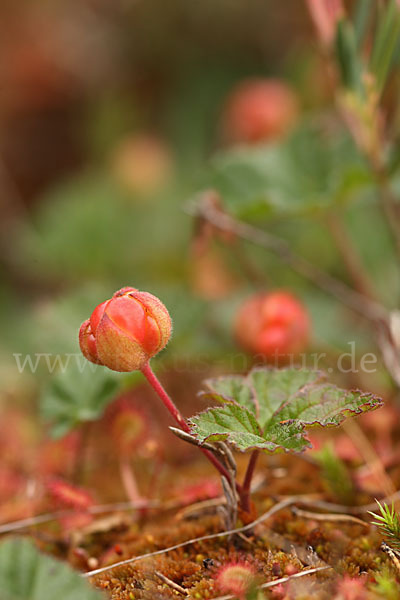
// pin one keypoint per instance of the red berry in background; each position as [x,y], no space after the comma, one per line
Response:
[259,110]
[124,332]
[272,324]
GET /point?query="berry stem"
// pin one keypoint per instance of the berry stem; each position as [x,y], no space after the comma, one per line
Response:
[165,398]
[173,410]
[245,494]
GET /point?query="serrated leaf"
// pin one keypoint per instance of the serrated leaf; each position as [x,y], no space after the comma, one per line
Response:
[270,408]
[273,387]
[325,405]
[239,427]
[26,574]
[263,391]
[225,389]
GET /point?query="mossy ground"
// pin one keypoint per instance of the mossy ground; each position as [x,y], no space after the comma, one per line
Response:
[179,480]
[285,544]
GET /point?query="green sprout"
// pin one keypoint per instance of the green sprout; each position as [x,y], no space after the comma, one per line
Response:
[389,523]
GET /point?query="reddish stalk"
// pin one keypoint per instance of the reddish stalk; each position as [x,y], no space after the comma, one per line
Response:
[245,493]
[172,409]
[164,397]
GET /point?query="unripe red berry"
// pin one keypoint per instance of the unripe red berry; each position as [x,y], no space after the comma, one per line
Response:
[124,332]
[272,324]
[259,110]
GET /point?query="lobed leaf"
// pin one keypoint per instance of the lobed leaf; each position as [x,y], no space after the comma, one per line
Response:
[263,391]
[237,425]
[325,405]
[270,408]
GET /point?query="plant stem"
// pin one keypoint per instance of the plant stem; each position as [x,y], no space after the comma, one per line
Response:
[280,247]
[245,494]
[82,455]
[173,410]
[164,397]
[129,481]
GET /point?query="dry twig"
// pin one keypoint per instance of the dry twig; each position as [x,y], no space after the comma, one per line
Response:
[306,514]
[171,584]
[205,208]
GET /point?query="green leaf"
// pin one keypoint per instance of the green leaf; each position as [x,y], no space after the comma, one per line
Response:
[347,56]
[77,395]
[239,427]
[263,391]
[325,405]
[26,574]
[388,522]
[270,408]
[362,17]
[385,43]
[310,171]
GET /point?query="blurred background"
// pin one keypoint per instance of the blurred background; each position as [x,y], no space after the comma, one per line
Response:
[108,114]
[112,119]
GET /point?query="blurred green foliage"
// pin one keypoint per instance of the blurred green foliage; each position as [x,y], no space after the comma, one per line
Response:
[78,394]
[27,574]
[314,170]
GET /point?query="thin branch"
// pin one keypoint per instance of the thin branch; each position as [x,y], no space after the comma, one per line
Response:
[201,508]
[99,509]
[190,439]
[366,307]
[306,514]
[205,208]
[342,508]
[105,508]
[393,555]
[126,506]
